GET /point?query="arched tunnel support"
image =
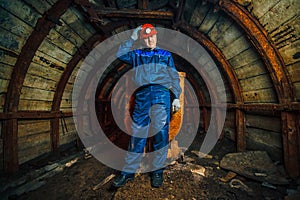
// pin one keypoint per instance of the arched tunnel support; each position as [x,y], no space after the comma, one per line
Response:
[284,89]
[10,130]
[231,77]
[286,106]
[81,53]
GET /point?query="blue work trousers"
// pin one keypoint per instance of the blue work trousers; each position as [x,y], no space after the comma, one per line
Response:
[151,117]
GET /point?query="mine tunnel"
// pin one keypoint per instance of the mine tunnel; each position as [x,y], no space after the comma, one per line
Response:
[238,63]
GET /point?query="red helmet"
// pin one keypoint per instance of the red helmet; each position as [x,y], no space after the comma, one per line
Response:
[147,31]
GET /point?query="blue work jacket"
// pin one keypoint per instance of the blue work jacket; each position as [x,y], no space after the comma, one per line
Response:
[151,66]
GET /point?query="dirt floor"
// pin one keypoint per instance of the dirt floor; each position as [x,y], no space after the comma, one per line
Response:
[188,178]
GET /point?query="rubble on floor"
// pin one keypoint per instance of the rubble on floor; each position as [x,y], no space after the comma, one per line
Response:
[255,165]
[218,175]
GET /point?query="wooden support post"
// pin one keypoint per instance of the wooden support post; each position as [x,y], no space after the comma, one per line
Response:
[291,146]
[54,130]
[10,146]
[240,122]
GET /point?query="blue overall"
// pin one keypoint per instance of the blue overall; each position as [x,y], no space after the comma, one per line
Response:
[155,74]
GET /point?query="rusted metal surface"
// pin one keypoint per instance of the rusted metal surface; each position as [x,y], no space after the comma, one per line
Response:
[264,46]
[275,65]
[205,118]
[42,28]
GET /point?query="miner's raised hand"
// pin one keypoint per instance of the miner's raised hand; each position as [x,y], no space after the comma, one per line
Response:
[135,32]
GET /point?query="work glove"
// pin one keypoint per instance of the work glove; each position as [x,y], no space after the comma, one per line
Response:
[135,33]
[175,105]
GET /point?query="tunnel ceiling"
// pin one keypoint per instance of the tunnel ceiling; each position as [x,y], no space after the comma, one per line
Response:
[43,43]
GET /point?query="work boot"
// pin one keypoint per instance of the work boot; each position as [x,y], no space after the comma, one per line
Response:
[157,180]
[121,179]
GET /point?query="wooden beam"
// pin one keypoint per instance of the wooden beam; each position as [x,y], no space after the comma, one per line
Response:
[292,107]
[34,115]
[291,145]
[10,146]
[133,13]
[240,121]
[54,134]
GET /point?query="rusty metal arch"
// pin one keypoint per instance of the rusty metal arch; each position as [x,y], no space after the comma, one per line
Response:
[218,55]
[278,73]
[82,52]
[264,46]
[41,30]
[10,130]
[57,98]
[231,77]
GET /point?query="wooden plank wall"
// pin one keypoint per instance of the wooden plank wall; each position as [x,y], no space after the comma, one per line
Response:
[33,139]
[229,126]
[264,133]
[281,20]
[18,19]
[67,130]
[54,53]
[256,85]
[253,76]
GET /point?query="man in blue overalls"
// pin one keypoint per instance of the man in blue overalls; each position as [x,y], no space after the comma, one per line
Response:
[156,76]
